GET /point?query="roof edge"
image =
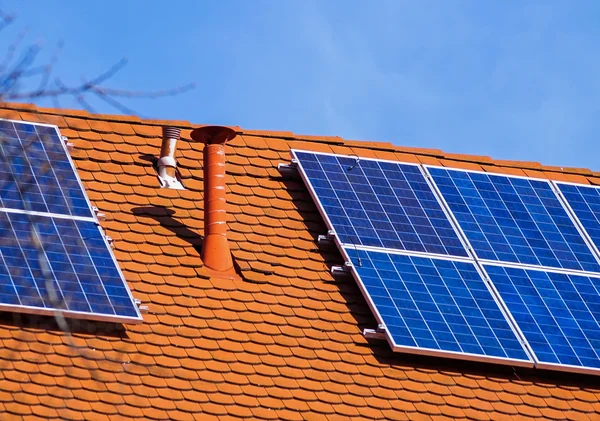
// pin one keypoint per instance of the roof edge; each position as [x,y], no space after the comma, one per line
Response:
[430,156]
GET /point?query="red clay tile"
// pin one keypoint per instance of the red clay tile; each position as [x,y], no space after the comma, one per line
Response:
[465,165]
[283,337]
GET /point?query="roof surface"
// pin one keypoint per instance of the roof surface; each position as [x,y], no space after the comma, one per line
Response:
[284,342]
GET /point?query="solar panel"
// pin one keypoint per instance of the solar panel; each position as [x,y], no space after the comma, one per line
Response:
[584,201]
[59,264]
[436,306]
[558,313]
[53,254]
[379,204]
[514,219]
[36,172]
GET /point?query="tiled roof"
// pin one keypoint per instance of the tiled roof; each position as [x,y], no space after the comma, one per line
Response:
[284,342]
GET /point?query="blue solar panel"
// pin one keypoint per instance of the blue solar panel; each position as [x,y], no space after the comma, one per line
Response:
[438,305]
[59,264]
[53,255]
[380,204]
[585,203]
[514,219]
[36,172]
[558,313]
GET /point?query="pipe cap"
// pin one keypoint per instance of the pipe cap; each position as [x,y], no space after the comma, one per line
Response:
[212,135]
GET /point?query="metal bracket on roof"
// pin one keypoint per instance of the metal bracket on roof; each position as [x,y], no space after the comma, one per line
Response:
[99,215]
[289,170]
[70,146]
[341,270]
[110,241]
[378,333]
[143,309]
[326,239]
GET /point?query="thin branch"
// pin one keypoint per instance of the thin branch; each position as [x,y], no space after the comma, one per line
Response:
[84,104]
[12,49]
[10,82]
[65,90]
[148,95]
[115,103]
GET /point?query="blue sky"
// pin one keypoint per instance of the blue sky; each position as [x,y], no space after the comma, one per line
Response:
[510,79]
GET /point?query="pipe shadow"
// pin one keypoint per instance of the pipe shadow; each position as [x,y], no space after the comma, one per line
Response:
[152,159]
[164,216]
[380,349]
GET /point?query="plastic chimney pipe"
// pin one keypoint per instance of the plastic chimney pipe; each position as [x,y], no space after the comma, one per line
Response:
[215,247]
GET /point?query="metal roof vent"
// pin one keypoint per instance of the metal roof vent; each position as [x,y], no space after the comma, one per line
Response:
[166,165]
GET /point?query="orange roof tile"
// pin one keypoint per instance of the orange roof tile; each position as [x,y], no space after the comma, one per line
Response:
[284,342]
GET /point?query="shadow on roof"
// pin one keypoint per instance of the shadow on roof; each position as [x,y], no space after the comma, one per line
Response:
[164,216]
[23,321]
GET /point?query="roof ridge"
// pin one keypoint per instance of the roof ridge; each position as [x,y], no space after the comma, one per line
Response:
[87,115]
[374,146]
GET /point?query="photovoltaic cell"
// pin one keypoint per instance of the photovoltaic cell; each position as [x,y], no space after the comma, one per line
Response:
[558,313]
[59,264]
[514,220]
[36,173]
[436,304]
[380,204]
[585,202]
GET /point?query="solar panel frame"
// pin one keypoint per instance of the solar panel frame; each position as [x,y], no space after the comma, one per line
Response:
[538,363]
[330,225]
[346,253]
[559,197]
[71,163]
[92,218]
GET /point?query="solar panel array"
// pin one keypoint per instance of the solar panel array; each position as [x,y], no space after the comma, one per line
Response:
[53,254]
[527,292]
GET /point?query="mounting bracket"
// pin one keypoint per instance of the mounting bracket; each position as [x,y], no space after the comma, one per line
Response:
[378,333]
[70,146]
[143,309]
[341,270]
[99,215]
[289,170]
[326,239]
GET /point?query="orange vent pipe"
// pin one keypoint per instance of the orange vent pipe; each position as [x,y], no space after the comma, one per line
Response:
[215,248]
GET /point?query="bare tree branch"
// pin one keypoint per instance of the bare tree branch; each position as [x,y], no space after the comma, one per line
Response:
[24,78]
[15,75]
